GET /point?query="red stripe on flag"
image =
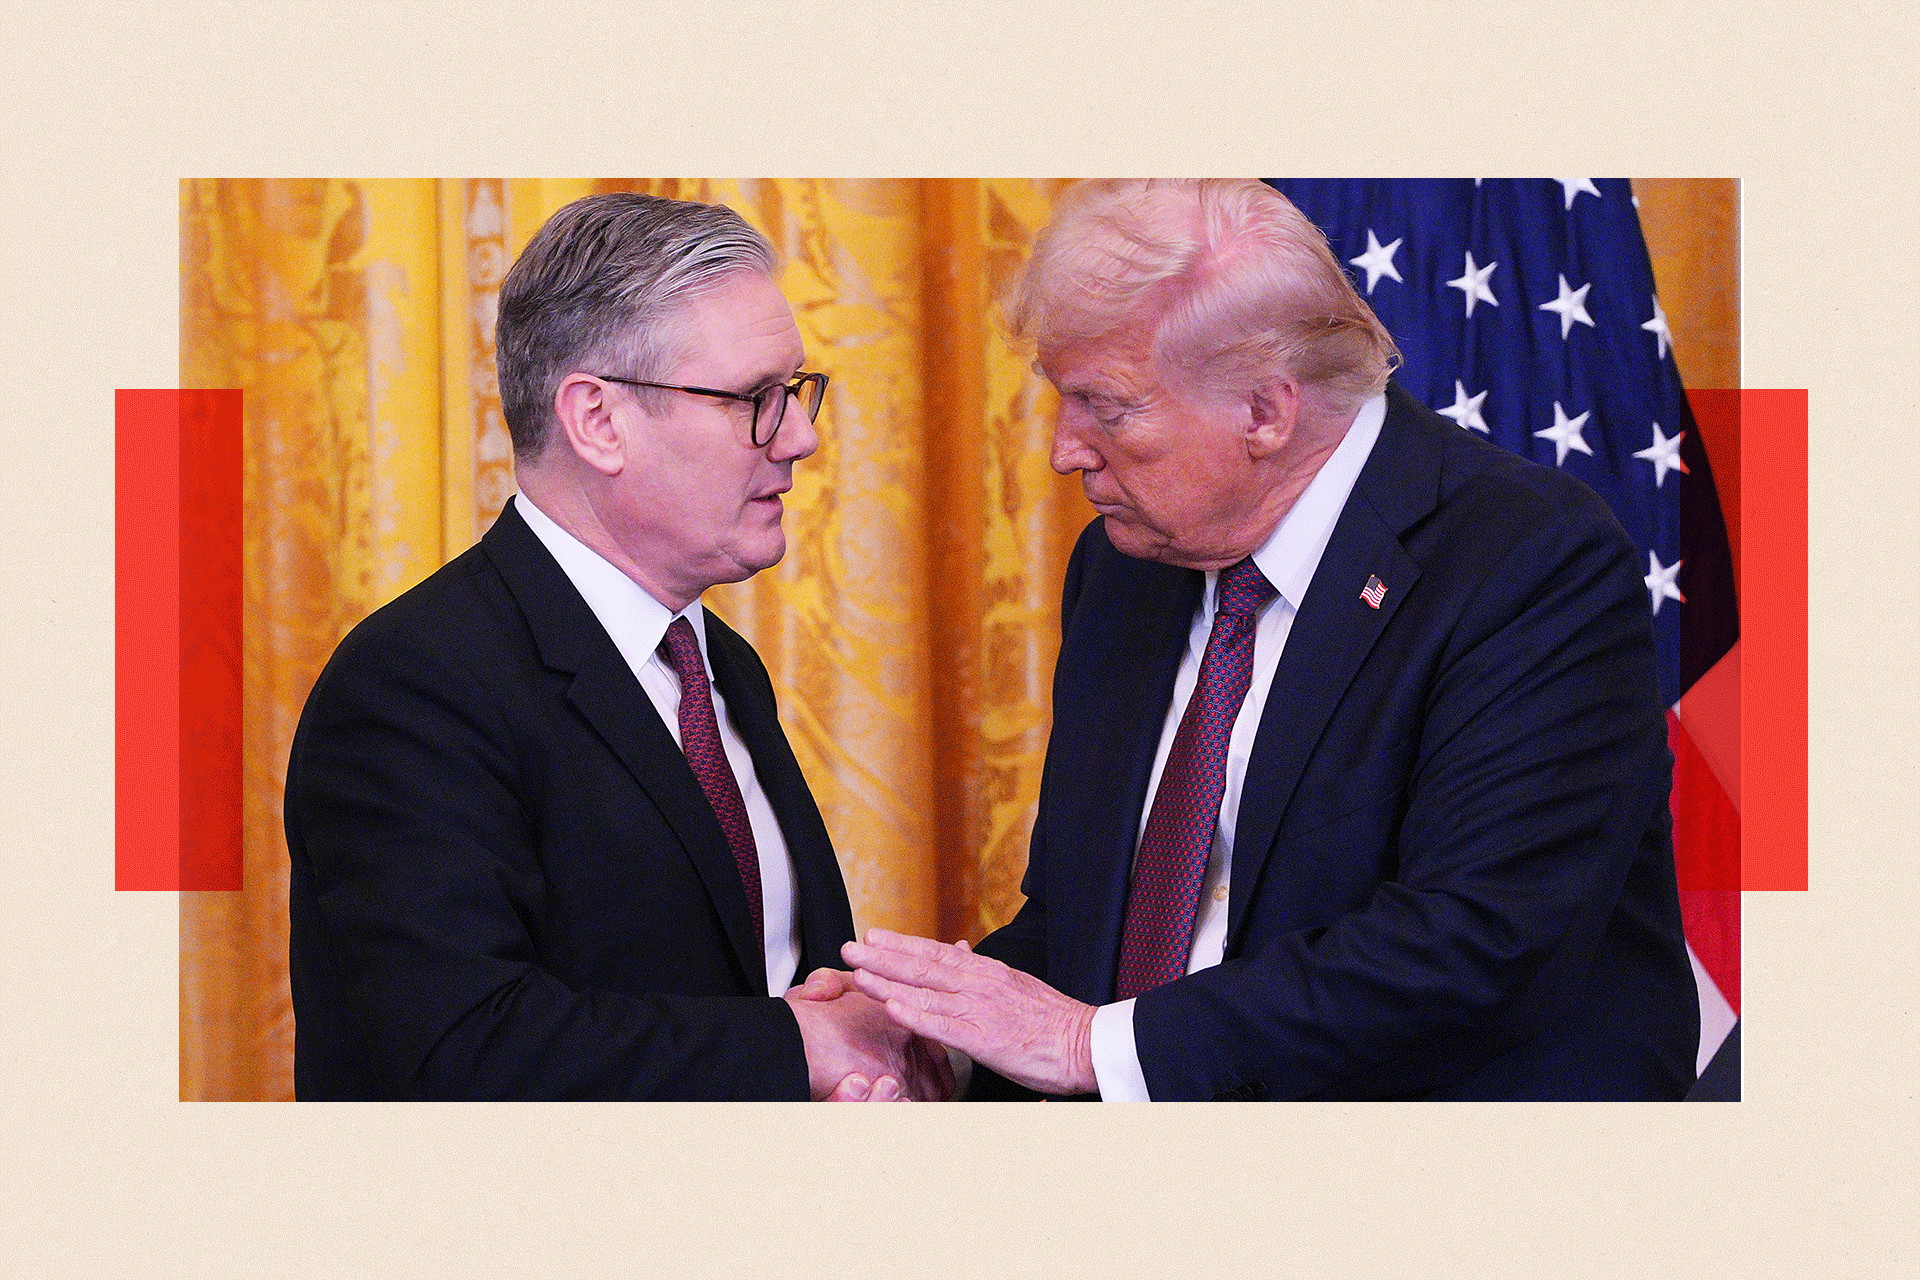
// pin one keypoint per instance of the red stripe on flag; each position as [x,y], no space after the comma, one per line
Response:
[1773,600]
[1706,826]
[177,639]
[1710,710]
[1706,854]
[1711,918]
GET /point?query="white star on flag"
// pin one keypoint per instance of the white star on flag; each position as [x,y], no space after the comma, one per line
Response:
[1465,409]
[1565,434]
[1473,283]
[1659,581]
[1658,328]
[1377,261]
[1574,186]
[1664,454]
[1572,306]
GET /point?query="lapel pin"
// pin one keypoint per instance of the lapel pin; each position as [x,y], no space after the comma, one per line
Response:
[1374,592]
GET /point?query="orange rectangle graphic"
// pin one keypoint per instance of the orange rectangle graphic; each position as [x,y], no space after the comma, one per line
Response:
[177,604]
[1773,625]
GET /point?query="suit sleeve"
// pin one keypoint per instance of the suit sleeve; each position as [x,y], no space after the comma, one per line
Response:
[416,891]
[1022,942]
[1541,768]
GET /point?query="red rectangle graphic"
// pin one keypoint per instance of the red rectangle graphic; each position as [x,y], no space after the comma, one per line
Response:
[177,580]
[1773,625]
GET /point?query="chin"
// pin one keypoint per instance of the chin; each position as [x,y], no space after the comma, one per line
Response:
[763,554]
[1132,540]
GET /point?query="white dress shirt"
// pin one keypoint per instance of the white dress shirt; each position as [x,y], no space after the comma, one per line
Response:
[1288,558]
[636,623]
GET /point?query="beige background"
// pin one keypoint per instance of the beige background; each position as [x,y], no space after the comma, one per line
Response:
[107,106]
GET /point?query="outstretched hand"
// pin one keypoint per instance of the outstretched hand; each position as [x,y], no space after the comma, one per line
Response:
[1009,1020]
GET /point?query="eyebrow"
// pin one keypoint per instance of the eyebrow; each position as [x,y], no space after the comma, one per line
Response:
[1091,385]
[1098,388]
[780,373]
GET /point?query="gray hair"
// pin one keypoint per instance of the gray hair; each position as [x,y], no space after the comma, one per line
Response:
[1229,280]
[598,289]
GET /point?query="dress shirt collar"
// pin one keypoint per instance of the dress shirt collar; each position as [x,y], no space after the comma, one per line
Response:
[1292,551]
[634,620]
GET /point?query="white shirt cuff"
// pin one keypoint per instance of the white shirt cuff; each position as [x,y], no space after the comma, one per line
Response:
[1116,1064]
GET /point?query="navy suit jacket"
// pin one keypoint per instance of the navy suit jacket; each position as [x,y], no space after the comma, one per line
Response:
[506,880]
[1453,871]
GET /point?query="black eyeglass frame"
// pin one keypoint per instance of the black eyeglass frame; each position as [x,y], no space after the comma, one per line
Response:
[753,398]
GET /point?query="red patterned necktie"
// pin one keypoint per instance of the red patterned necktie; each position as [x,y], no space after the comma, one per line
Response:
[1173,850]
[700,739]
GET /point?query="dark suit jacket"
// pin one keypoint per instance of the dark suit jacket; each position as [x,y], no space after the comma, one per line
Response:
[1453,871]
[506,880]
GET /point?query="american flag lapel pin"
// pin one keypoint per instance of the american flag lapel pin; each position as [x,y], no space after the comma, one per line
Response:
[1374,592]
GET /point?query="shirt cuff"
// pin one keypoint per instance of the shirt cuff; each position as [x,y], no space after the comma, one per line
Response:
[1116,1064]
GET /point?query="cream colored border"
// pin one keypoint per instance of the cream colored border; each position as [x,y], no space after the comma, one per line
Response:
[108,105]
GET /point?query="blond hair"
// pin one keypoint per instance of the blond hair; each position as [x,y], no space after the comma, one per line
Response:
[1228,283]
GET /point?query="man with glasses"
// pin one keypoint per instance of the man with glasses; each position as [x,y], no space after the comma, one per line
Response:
[548,838]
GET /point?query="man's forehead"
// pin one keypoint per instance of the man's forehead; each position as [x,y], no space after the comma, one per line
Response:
[1100,364]
[746,323]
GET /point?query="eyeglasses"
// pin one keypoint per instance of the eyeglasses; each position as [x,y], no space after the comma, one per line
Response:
[769,403]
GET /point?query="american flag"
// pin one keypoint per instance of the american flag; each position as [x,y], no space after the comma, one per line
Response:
[1526,312]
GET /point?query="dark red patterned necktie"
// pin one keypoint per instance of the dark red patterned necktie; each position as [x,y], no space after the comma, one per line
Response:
[1173,850]
[700,739]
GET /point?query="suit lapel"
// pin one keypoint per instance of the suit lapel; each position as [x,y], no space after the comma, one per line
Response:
[819,891]
[605,693]
[1333,633]
[1124,664]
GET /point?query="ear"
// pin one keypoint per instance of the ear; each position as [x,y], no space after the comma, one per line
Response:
[1273,413]
[583,406]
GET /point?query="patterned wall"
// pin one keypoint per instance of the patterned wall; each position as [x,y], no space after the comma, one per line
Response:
[910,631]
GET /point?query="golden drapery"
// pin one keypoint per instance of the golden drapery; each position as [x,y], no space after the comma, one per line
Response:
[910,631]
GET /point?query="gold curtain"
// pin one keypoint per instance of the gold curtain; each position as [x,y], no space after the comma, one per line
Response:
[911,629]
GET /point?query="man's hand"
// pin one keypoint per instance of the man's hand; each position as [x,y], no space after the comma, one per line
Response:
[1009,1020]
[831,984]
[855,1053]
[823,984]
[857,1088]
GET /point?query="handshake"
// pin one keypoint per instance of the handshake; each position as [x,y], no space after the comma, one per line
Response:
[879,1031]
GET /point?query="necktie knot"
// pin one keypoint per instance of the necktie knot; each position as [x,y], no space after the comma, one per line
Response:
[1243,589]
[682,652]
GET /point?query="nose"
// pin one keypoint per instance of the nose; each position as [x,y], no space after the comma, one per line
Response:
[1070,452]
[797,437]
